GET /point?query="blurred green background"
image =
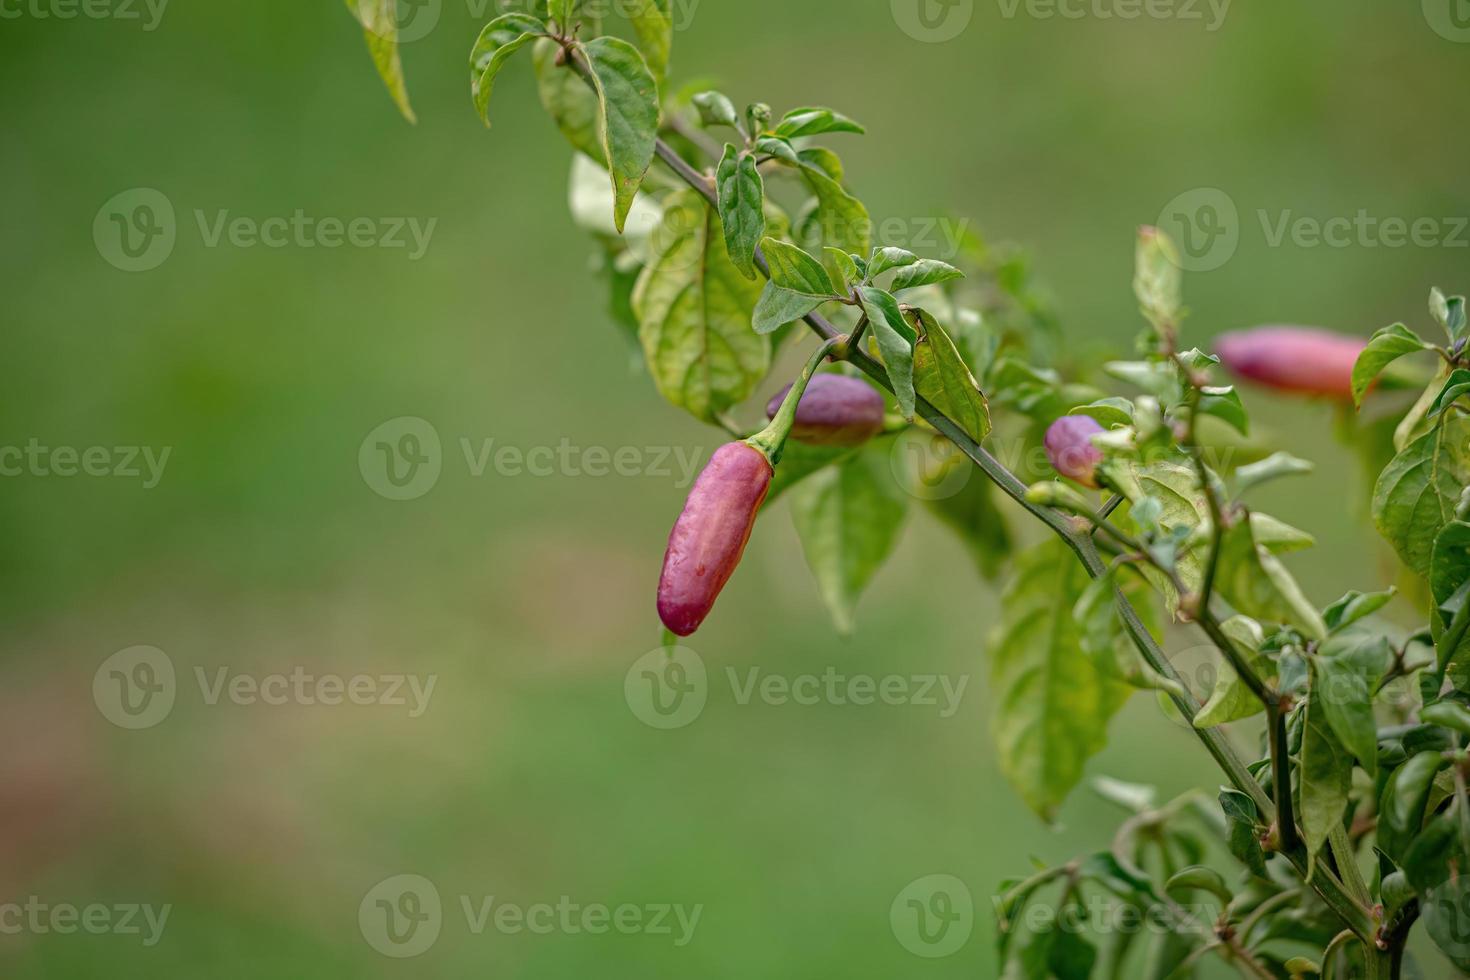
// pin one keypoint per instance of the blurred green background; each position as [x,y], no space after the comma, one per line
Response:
[263,549]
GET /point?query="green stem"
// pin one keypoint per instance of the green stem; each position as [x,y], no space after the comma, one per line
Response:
[771,441]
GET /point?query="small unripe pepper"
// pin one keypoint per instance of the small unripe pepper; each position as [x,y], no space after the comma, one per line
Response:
[710,535]
[1303,360]
[835,411]
[1069,448]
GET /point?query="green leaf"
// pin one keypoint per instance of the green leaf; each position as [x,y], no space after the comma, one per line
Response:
[887,258]
[840,220]
[1447,714]
[779,148]
[562,11]
[1052,705]
[653,23]
[944,380]
[1106,642]
[1225,405]
[501,38]
[1349,667]
[800,460]
[971,511]
[1231,699]
[844,265]
[1199,878]
[1326,779]
[814,120]
[1257,584]
[627,98]
[1355,606]
[379,20]
[1242,817]
[1417,493]
[570,102]
[1456,386]
[1384,347]
[1447,920]
[1448,313]
[1273,467]
[794,269]
[1401,810]
[1071,957]
[1108,412]
[694,310]
[742,198]
[1157,279]
[778,307]
[895,340]
[716,110]
[848,517]
[925,272]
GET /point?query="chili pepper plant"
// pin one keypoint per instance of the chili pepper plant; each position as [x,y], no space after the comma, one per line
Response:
[727,235]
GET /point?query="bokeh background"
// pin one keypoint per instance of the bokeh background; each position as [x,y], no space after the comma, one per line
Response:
[263,549]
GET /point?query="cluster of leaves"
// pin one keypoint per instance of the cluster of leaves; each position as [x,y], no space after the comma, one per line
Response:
[1362,753]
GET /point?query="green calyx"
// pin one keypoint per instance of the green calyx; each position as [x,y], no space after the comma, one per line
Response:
[770,442]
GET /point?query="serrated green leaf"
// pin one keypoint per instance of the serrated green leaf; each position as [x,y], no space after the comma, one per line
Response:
[627,97]
[925,272]
[1384,347]
[742,196]
[814,120]
[694,309]
[895,340]
[944,380]
[1417,493]
[1326,779]
[653,23]
[1052,705]
[1349,667]
[848,517]
[501,38]
[379,20]
[778,307]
